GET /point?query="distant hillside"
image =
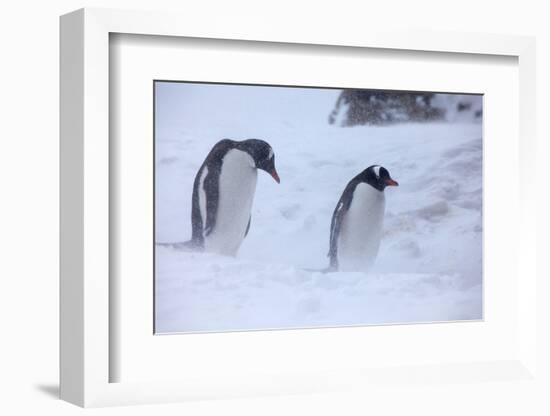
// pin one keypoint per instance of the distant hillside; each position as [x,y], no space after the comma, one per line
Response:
[372,107]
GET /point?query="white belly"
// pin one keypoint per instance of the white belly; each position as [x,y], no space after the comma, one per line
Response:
[361,230]
[237,187]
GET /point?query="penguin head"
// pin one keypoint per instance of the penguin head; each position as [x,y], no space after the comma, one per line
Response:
[263,156]
[378,177]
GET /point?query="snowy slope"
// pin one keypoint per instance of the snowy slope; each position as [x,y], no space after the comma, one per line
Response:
[429,265]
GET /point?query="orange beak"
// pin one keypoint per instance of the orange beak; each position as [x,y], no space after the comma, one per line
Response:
[275,175]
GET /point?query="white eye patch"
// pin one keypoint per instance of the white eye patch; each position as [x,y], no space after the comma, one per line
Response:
[376,170]
[270,154]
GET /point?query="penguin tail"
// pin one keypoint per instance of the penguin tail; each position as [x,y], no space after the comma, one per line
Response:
[180,245]
[328,269]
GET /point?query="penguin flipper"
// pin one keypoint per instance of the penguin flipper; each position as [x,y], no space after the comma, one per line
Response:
[334,232]
[248,226]
[335,226]
[211,189]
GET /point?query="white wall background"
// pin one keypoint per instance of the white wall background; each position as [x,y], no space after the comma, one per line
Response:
[29,209]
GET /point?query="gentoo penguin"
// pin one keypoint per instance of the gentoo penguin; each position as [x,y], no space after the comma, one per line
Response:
[356,227]
[223,193]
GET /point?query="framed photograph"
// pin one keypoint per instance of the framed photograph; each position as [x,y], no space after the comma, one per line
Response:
[267,214]
[336,243]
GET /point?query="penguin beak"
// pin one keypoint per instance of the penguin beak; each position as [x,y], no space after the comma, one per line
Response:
[275,175]
[390,182]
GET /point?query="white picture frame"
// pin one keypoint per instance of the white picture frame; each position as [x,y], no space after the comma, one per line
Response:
[85,221]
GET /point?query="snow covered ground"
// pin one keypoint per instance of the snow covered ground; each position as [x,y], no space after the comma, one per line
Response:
[430,263]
